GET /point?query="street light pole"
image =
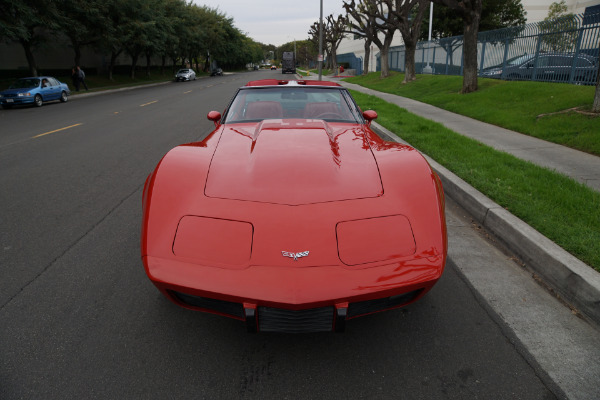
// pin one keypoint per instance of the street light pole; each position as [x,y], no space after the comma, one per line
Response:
[428,69]
[321,42]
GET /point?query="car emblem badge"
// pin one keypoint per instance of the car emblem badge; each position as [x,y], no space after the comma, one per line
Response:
[295,256]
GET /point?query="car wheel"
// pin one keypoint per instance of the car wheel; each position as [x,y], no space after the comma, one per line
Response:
[37,100]
[64,97]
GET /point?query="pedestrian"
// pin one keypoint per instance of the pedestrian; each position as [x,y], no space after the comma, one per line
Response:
[81,76]
[75,78]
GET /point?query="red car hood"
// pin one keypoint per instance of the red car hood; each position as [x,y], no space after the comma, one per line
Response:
[293,162]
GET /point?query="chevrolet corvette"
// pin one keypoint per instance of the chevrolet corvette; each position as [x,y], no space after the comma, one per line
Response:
[293,215]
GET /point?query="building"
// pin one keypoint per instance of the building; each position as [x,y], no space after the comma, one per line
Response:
[536,11]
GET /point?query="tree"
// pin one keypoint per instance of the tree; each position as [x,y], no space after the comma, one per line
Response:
[29,22]
[386,23]
[559,28]
[448,25]
[596,104]
[335,33]
[82,22]
[363,26]
[314,38]
[410,15]
[470,11]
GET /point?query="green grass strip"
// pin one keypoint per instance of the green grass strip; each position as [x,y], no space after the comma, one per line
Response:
[518,106]
[565,211]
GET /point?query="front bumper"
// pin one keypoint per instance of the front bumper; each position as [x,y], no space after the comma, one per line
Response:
[10,101]
[292,299]
[272,319]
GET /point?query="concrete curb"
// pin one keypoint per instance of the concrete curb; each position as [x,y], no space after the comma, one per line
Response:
[82,95]
[574,281]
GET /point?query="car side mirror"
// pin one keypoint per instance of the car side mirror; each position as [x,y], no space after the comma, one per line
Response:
[215,117]
[369,115]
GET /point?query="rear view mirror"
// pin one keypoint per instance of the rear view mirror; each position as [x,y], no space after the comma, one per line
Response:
[215,117]
[369,115]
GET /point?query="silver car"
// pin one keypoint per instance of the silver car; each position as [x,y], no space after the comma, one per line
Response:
[185,74]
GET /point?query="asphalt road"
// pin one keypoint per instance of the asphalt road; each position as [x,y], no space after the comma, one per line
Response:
[79,318]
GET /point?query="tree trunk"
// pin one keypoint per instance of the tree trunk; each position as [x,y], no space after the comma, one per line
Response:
[77,50]
[596,105]
[471,25]
[383,58]
[148,65]
[113,59]
[409,64]
[334,61]
[367,57]
[384,55]
[30,58]
[134,59]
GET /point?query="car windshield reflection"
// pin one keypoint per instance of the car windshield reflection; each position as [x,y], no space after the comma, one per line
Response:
[257,104]
[25,83]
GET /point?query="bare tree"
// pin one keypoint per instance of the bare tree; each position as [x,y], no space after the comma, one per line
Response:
[470,11]
[363,26]
[334,34]
[405,15]
[386,24]
[410,16]
[314,38]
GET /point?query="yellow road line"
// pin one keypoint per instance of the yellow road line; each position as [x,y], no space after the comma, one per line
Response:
[189,91]
[152,102]
[56,130]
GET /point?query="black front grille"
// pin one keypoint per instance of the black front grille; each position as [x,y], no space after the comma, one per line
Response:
[224,307]
[369,306]
[289,321]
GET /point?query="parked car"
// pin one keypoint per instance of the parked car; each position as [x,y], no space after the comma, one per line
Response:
[553,67]
[34,90]
[273,67]
[216,71]
[293,215]
[185,74]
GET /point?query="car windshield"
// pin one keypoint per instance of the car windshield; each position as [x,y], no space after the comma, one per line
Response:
[25,83]
[257,104]
[183,71]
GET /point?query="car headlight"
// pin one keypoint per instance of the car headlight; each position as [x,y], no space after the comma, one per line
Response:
[24,94]
[375,239]
[201,239]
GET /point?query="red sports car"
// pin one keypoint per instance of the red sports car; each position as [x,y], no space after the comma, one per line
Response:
[293,215]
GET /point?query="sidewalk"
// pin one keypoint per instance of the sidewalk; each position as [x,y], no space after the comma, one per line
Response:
[582,167]
[575,282]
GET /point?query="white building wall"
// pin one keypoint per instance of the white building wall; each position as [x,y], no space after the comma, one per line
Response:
[537,10]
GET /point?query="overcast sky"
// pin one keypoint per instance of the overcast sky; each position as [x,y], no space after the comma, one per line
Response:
[275,21]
